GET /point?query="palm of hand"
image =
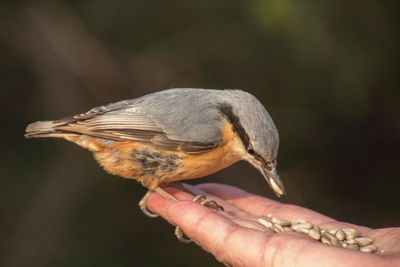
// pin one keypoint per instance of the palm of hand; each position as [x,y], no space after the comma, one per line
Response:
[235,237]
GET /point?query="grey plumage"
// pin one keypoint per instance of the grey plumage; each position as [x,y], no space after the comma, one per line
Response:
[175,117]
[195,115]
[190,120]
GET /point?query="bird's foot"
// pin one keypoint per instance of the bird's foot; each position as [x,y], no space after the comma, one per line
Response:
[209,203]
[143,201]
[202,200]
[143,205]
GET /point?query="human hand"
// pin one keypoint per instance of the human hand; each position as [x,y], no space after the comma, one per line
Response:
[235,237]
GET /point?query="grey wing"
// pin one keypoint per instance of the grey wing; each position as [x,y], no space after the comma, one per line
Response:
[126,121]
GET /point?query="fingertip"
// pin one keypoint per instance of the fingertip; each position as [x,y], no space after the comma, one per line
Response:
[185,212]
[156,202]
[160,204]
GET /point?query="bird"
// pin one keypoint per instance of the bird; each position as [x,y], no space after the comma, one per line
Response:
[169,136]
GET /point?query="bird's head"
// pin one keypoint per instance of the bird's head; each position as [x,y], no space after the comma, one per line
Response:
[258,134]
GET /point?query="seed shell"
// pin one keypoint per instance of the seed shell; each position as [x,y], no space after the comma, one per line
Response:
[363,241]
[281,221]
[315,233]
[368,249]
[340,235]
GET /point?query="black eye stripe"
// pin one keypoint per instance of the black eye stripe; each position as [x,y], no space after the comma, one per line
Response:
[227,110]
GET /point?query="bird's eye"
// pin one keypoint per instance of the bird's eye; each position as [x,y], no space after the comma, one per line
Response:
[251,151]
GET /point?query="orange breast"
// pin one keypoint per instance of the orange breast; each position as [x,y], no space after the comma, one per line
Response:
[153,167]
[200,165]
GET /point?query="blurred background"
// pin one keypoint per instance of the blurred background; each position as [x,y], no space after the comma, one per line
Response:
[327,71]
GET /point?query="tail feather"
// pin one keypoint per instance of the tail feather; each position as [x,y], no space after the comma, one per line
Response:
[60,129]
[41,129]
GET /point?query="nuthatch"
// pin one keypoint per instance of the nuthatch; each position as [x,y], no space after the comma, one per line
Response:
[174,135]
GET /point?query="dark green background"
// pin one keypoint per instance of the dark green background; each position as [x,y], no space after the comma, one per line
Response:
[327,71]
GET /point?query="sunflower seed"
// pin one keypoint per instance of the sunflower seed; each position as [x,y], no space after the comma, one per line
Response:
[333,231]
[352,247]
[351,242]
[325,240]
[340,235]
[363,241]
[281,221]
[345,245]
[295,227]
[351,233]
[368,249]
[332,239]
[299,221]
[347,238]
[278,228]
[315,233]
[274,229]
[265,223]
[301,226]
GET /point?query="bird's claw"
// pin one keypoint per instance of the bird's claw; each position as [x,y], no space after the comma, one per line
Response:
[202,200]
[144,208]
[212,204]
[180,235]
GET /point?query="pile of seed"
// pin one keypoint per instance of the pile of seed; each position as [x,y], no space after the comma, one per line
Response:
[348,238]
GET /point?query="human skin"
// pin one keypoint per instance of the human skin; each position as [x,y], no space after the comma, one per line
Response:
[235,237]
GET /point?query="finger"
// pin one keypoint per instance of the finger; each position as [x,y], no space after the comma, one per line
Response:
[298,250]
[213,232]
[230,211]
[261,206]
[229,208]
[239,246]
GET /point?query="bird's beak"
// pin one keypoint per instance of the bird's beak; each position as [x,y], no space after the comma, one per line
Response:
[272,177]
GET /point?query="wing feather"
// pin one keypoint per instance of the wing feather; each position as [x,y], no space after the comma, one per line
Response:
[134,124]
